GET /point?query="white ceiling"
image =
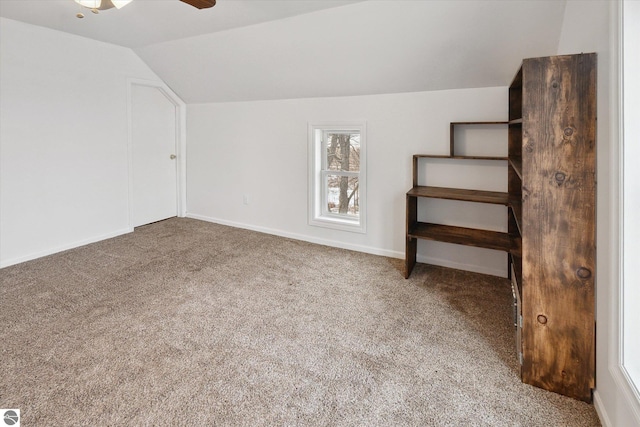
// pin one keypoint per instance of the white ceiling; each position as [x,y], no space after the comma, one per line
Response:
[145,22]
[267,49]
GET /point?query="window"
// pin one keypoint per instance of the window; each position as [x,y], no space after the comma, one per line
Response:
[337,176]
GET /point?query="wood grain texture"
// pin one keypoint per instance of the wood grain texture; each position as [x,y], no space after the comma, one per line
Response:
[479,196]
[558,223]
[461,236]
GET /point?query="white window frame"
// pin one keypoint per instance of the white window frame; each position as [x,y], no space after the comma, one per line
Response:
[630,199]
[319,214]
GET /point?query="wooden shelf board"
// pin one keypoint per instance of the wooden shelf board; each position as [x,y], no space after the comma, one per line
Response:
[479,196]
[461,236]
[436,156]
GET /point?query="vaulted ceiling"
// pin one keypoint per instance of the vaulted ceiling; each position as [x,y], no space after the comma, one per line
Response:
[275,49]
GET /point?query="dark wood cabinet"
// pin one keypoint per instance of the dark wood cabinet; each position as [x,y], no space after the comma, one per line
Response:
[551,230]
[552,193]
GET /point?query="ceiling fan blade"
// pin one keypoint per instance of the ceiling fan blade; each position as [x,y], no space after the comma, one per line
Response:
[200,4]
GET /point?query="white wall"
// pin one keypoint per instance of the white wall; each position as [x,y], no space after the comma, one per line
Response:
[259,149]
[592,26]
[63,140]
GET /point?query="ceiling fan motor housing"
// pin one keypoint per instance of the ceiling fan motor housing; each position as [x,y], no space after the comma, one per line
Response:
[200,4]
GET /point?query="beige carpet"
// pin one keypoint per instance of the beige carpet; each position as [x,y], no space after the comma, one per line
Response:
[186,323]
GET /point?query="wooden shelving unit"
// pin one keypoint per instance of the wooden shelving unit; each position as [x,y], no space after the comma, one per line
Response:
[552,139]
[550,234]
[446,233]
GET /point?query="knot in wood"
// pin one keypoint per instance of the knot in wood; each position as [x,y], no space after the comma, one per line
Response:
[568,131]
[560,177]
[554,84]
[542,319]
[583,273]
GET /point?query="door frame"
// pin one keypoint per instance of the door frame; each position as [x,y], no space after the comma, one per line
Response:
[180,149]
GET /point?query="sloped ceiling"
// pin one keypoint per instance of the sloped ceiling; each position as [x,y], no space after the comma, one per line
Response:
[145,22]
[294,49]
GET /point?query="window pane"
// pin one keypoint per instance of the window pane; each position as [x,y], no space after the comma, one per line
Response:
[343,196]
[343,151]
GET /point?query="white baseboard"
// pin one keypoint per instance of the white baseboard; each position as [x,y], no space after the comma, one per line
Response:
[601,410]
[302,237]
[51,251]
[623,401]
[349,246]
[311,239]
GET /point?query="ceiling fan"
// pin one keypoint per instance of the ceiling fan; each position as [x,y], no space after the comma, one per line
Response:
[97,5]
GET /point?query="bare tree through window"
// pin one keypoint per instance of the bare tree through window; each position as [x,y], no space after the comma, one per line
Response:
[343,155]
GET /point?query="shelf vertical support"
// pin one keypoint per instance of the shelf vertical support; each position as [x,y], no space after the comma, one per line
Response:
[411,242]
[451,137]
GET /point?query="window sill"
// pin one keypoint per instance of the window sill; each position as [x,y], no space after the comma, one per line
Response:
[343,224]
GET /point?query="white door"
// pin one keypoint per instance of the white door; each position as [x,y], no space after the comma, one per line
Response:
[153,132]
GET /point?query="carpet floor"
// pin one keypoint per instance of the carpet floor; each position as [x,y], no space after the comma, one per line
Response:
[187,323]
